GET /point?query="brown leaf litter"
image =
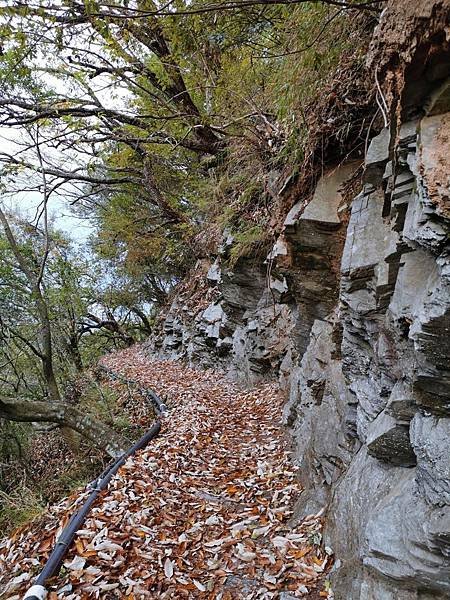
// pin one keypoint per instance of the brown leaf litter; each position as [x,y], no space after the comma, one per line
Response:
[202,512]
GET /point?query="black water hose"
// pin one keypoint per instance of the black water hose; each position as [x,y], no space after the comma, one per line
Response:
[159,405]
[38,591]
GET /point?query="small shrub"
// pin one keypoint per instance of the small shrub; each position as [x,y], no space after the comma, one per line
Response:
[245,243]
[19,507]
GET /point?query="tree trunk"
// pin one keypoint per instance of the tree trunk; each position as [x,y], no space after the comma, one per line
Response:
[143,317]
[67,416]
[46,350]
[74,351]
[73,346]
[46,345]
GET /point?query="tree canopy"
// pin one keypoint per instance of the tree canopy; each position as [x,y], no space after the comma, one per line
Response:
[156,118]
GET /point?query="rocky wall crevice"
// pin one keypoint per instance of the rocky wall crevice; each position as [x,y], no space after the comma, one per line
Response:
[389,509]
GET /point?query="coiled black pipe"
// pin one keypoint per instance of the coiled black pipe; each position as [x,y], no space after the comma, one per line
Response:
[38,591]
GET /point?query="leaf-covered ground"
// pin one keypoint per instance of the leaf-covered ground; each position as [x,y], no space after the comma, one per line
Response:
[202,512]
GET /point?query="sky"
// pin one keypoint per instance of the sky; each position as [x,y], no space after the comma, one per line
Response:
[79,229]
[27,203]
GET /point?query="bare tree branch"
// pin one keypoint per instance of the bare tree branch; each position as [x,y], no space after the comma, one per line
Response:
[64,415]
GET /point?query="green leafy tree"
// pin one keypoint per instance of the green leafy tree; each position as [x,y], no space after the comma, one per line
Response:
[159,120]
[33,292]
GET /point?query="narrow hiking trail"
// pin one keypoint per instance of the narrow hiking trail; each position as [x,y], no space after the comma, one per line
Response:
[202,512]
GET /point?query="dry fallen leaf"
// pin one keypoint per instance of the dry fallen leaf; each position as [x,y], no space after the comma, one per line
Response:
[168,568]
[201,512]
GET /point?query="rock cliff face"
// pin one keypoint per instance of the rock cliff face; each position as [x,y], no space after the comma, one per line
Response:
[351,311]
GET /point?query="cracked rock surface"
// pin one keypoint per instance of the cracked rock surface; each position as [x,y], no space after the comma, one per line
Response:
[351,312]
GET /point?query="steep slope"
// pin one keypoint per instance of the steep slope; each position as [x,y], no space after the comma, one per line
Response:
[351,311]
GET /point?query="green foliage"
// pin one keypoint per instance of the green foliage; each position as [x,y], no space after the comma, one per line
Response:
[249,80]
[23,496]
[19,507]
[14,441]
[102,400]
[108,405]
[212,113]
[245,243]
[18,503]
[74,286]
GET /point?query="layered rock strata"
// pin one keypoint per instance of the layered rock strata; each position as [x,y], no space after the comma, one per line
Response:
[351,311]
